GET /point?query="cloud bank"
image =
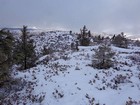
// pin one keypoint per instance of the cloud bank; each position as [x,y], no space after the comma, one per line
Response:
[111,16]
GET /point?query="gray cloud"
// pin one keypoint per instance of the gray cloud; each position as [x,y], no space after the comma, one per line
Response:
[99,15]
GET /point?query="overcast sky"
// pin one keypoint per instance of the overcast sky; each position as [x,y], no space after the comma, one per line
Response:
[112,16]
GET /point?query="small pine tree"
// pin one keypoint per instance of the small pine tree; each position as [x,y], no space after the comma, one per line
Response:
[89,33]
[84,37]
[24,53]
[102,59]
[120,41]
[137,43]
[70,32]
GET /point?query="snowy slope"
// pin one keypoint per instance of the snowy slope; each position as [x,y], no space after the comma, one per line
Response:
[68,78]
[57,40]
[73,82]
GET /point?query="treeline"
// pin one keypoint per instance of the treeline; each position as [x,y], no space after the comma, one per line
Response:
[86,38]
[104,55]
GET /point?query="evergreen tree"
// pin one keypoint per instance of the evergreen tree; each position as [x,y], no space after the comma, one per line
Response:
[70,32]
[6,46]
[84,37]
[113,37]
[137,43]
[102,59]
[89,33]
[24,53]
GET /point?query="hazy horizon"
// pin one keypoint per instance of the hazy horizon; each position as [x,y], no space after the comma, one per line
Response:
[111,16]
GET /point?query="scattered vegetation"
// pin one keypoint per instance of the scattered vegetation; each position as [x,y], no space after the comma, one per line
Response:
[22,53]
[132,102]
[102,59]
[120,40]
[58,94]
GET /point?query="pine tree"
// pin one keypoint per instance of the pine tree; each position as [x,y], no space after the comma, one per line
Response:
[89,33]
[24,53]
[84,37]
[6,48]
[102,59]
[137,43]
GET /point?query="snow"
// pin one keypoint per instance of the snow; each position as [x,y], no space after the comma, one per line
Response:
[74,78]
[59,40]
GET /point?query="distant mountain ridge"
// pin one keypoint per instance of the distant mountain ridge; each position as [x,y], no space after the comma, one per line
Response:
[130,36]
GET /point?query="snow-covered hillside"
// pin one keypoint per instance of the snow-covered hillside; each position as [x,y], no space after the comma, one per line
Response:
[57,40]
[68,79]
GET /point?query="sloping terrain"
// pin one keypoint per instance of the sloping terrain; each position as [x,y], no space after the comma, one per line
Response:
[68,79]
[57,40]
